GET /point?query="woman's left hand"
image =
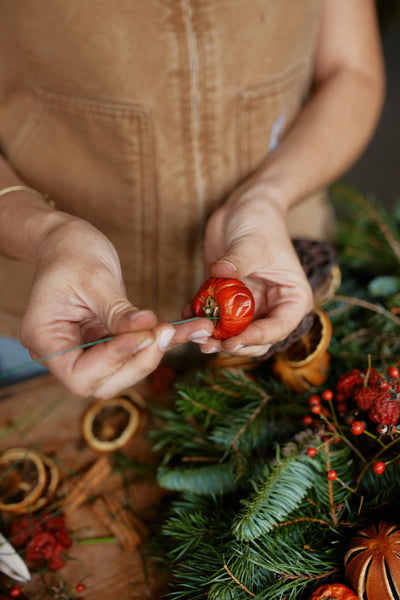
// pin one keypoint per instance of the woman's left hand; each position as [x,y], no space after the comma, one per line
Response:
[247,239]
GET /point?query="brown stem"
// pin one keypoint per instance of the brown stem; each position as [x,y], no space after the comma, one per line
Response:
[373,459]
[368,305]
[238,582]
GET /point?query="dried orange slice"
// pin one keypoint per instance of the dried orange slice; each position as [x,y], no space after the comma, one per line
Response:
[52,481]
[305,364]
[22,479]
[110,424]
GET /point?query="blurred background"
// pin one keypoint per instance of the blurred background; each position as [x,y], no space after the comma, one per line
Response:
[377,173]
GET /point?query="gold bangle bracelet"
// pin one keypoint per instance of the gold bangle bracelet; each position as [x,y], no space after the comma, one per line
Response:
[26,188]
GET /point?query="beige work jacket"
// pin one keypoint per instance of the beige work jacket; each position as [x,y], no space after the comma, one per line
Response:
[141,116]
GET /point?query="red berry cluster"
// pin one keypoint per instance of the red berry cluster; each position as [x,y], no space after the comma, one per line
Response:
[372,392]
[44,540]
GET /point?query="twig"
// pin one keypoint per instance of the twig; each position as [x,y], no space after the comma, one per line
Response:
[391,240]
[310,577]
[368,305]
[238,582]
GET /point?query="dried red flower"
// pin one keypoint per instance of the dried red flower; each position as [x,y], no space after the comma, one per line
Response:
[45,540]
[365,397]
[349,382]
[384,410]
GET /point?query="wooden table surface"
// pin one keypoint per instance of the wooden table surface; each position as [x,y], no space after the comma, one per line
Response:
[43,415]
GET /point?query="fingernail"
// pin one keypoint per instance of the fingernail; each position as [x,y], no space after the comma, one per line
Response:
[213,350]
[200,336]
[165,338]
[144,344]
[238,347]
[228,262]
[136,313]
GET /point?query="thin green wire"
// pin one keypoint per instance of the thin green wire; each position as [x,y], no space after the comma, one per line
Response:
[81,346]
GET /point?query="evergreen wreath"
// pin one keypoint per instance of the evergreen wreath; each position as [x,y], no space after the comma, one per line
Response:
[268,486]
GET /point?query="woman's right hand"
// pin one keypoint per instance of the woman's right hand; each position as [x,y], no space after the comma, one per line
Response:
[78,297]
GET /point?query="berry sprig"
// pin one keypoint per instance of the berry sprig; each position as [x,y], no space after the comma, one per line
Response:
[360,400]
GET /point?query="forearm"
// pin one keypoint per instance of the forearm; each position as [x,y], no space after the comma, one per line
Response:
[328,137]
[340,117]
[25,218]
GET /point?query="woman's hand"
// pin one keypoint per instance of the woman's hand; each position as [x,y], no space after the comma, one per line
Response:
[247,239]
[78,297]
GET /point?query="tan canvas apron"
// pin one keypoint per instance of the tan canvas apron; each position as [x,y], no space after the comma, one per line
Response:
[141,116]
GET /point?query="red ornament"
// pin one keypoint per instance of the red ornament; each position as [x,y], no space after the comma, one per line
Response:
[334,591]
[229,300]
[373,562]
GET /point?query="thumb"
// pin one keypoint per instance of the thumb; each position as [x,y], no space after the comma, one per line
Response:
[120,316]
[241,258]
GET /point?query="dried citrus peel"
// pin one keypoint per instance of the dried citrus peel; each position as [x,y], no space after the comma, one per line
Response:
[110,424]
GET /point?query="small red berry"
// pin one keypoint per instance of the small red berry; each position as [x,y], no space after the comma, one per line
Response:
[15,592]
[332,475]
[80,587]
[316,409]
[357,428]
[314,399]
[311,452]
[384,385]
[327,395]
[307,420]
[393,372]
[379,467]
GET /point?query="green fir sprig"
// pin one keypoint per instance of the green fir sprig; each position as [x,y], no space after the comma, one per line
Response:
[253,513]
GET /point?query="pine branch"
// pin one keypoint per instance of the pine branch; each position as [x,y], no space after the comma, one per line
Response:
[207,480]
[276,497]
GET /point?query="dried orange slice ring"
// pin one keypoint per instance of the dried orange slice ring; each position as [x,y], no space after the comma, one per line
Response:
[53,478]
[22,479]
[110,424]
[305,364]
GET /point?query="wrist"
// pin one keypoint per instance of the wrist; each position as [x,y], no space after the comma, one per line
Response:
[26,218]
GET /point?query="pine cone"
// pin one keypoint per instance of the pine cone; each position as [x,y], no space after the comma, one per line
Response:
[319,262]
